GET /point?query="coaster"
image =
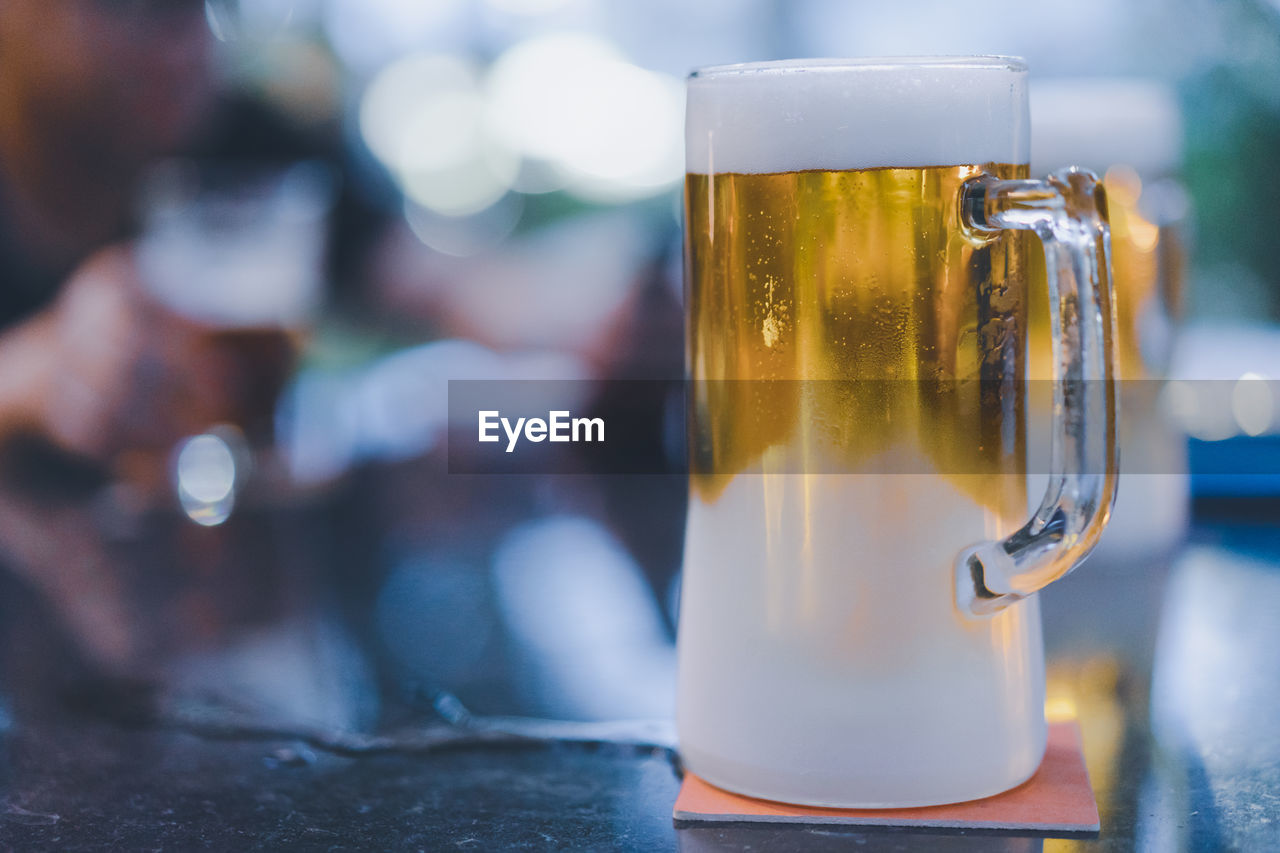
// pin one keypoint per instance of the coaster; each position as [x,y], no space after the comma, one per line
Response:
[1057,798]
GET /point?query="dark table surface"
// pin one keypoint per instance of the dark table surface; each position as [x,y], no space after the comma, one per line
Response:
[219,689]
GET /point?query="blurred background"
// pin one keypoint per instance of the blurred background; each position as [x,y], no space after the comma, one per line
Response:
[246,243]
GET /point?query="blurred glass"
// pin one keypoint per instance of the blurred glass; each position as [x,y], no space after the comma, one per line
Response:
[236,246]
[237,250]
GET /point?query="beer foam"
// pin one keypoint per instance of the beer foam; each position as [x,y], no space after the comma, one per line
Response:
[857,114]
[822,656]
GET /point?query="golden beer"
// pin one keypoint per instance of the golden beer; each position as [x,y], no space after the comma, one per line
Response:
[838,316]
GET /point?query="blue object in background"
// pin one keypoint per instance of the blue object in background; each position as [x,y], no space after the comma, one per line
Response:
[1243,466]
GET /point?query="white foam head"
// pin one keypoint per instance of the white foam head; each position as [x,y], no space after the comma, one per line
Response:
[857,114]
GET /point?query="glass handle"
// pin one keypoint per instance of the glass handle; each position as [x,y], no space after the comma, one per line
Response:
[1068,212]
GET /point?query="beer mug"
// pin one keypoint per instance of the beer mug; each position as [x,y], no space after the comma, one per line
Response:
[858,618]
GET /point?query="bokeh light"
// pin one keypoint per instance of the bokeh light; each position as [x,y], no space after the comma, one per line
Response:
[397,96]
[424,117]
[365,33]
[466,186]
[465,236]
[613,129]
[205,471]
[1252,404]
[236,20]
[528,7]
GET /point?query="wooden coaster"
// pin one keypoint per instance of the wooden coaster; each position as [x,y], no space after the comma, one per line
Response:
[1057,798]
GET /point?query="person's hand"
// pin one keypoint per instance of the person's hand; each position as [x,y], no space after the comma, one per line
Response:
[117,372]
[88,344]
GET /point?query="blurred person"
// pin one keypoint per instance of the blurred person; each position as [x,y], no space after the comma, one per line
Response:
[91,93]
[98,379]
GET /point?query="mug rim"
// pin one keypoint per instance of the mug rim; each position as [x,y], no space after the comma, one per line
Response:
[992,62]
